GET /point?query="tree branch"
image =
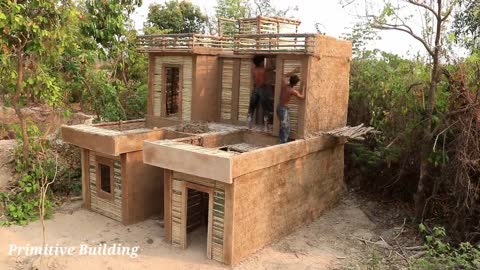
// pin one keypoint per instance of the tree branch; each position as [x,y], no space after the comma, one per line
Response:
[449,12]
[413,2]
[408,31]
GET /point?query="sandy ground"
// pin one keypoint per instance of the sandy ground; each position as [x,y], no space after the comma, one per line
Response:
[327,243]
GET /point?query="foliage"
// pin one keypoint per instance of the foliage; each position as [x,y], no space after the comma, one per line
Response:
[22,203]
[231,9]
[467,24]
[441,255]
[175,17]
[33,40]
[361,35]
[108,35]
[106,23]
[434,15]
[387,92]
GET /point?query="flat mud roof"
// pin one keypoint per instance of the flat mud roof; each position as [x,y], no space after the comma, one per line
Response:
[211,160]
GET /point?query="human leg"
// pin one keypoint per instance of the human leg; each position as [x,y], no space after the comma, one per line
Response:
[282,113]
[254,100]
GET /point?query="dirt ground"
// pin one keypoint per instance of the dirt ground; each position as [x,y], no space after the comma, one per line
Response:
[337,240]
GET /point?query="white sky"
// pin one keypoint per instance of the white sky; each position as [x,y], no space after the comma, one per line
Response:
[329,13]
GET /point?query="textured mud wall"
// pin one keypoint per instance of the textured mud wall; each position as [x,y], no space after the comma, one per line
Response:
[273,202]
[142,189]
[205,93]
[328,85]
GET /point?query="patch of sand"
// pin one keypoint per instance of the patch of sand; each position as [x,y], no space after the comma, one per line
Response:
[324,244]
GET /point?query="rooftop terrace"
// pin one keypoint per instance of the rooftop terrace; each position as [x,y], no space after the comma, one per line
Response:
[266,35]
[239,44]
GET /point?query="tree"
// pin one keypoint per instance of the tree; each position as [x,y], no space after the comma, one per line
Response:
[33,38]
[114,65]
[231,9]
[435,13]
[106,22]
[361,35]
[175,17]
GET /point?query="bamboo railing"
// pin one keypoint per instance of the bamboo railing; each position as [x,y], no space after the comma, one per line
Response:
[182,42]
[242,44]
[275,43]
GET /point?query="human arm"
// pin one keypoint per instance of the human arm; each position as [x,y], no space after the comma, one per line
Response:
[298,94]
[291,73]
[286,76]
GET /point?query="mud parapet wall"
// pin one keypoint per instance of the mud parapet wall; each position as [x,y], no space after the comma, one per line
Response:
[272,202]
[326,104]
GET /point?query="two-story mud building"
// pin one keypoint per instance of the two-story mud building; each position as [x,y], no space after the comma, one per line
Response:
[242,188]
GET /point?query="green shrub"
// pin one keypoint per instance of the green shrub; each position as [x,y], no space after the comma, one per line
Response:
[441,255]
[21,204]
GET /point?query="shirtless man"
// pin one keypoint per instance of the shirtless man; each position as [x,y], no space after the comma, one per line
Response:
[282,110]
[258,95]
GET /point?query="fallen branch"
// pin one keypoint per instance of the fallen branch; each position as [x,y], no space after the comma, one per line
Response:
[353,133]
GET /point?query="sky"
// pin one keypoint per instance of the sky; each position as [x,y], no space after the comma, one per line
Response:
[334,19]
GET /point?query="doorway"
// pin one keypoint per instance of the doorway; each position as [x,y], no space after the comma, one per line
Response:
[199,216]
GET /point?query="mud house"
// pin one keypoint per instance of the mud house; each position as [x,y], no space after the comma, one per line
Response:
[238,187]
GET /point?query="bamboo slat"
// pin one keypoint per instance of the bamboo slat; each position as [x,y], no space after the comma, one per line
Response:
[218,224]
[227,89]
[352,133]
[294,105]
[245,89]
[178,235]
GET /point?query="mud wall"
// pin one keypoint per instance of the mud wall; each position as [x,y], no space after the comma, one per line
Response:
[326,103]
[272,202]
[205,92]
[142,189]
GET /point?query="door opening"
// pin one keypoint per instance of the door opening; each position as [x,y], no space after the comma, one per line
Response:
[197,226]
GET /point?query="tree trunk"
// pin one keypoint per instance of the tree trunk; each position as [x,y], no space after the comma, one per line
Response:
[420,195]
[16,105]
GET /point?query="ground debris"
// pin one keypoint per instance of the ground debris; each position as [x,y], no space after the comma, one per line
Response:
[193,127]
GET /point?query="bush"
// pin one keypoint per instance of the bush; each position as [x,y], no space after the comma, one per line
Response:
[47,161]
[441,255]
